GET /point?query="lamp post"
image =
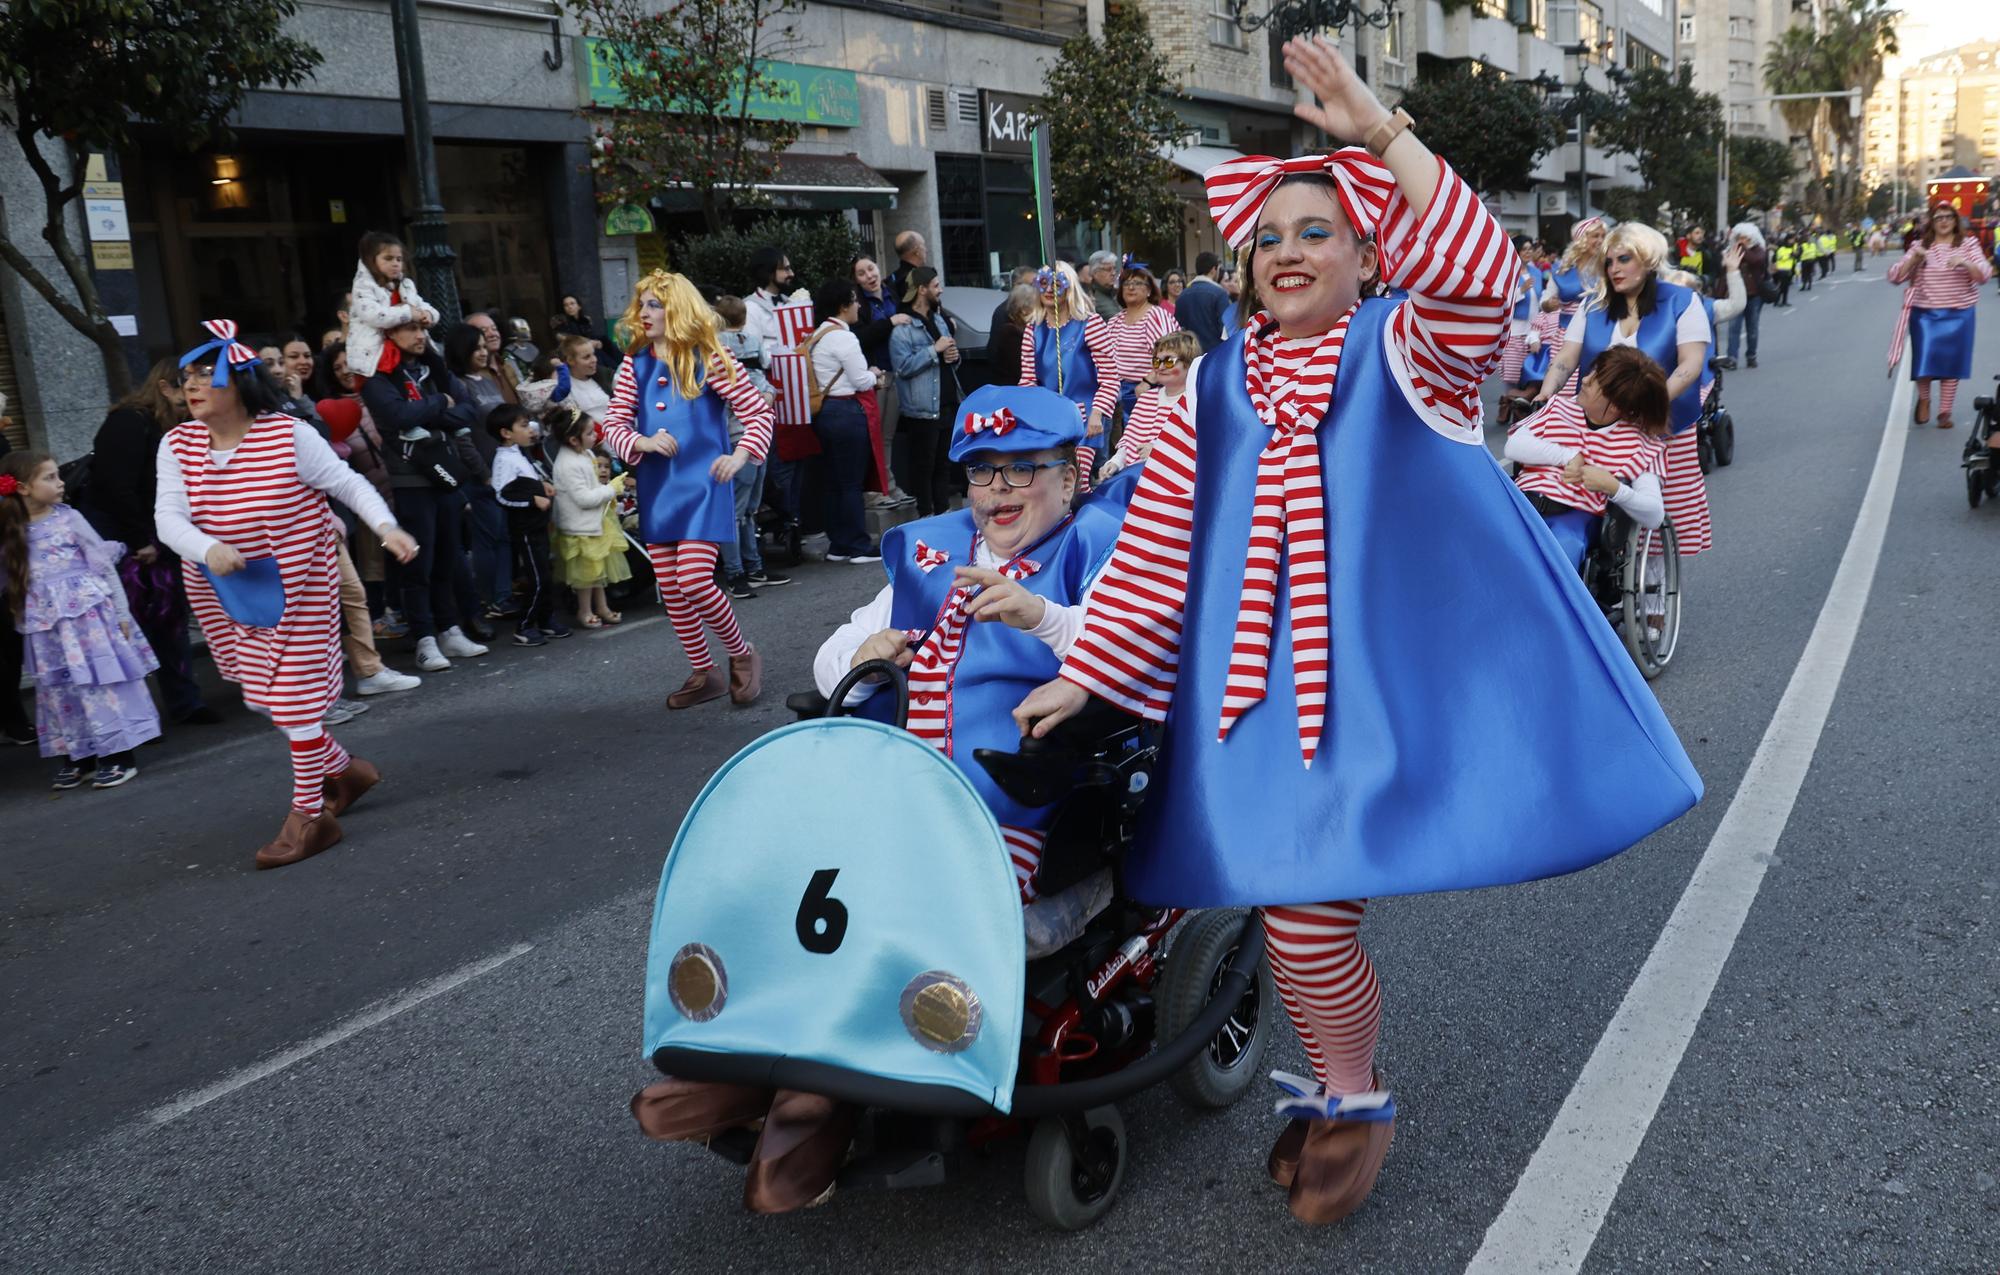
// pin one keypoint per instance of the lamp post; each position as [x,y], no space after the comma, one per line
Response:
[1288,18]
[431,252]
[1577,103]
[1853,97]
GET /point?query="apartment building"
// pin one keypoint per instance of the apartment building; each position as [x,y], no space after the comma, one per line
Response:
[1725,41]
[1931,115]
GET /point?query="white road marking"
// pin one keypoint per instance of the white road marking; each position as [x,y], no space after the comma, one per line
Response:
[381,1012]
[1557,1208]
[626,626]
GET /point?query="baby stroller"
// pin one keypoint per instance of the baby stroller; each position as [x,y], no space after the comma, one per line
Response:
[862,939]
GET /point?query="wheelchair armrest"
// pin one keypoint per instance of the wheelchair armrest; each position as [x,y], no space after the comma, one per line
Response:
[805,705]
[1716,365]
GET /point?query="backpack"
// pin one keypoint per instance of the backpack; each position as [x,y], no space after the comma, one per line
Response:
[815,392]
[75,477]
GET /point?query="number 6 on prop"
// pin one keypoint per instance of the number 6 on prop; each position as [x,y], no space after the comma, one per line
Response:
[822,920]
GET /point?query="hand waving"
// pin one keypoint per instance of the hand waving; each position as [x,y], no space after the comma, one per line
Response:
[1347,109]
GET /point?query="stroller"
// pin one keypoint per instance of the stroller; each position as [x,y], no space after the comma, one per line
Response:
[862,939]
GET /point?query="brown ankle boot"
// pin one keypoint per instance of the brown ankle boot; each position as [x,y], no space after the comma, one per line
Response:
[676,1110]
[344,789]
[703,685]
[1283,1164]
[302,837]
[746,677]
[1339,1161]
[799,1152]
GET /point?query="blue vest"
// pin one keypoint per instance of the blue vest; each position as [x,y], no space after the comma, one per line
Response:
[997,664]
[677,498]
[1438,768]
[1063,364]
[1531,293]
[1656,338]
[1571,285]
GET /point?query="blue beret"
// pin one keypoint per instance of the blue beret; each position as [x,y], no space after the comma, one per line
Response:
[1014,418]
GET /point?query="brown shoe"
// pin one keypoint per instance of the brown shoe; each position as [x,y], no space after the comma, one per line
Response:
[676,1110]
[1338,1165]
[302,837]
[1944,420]
[746,677]
[703,685]
[799,1152]
[344,789]
[1283,1165]
[1923,408]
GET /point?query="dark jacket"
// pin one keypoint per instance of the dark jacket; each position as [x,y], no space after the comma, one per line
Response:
[873,327]
[1003,347]
[1200,310]
[407,399]
[123,464]
[1755,266]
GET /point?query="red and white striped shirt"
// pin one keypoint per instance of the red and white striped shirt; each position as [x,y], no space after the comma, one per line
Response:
[1620,448]
[1132,343]
[726,380]
[1460,271]
[1939,284]
[1149,413]
[1097,343]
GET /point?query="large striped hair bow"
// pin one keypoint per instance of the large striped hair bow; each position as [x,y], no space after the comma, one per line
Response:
[228,350]
[1001,421]
[1587,224]
[1237,190]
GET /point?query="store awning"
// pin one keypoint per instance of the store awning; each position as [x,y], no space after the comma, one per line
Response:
[828,183]
[1197,160]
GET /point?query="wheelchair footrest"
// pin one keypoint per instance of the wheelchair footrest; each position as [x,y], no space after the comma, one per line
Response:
[894,1170]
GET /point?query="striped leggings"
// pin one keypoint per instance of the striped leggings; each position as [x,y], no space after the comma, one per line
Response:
[1947,394]
[1329,989]
[1512,356]
[685,570]
[315,758]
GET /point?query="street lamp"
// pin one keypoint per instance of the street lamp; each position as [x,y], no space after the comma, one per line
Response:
[1288,18]
[431,255]
[1568,100]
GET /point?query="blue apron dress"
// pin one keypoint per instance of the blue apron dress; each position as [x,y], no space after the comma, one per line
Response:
[1940,344]
[1656,338]
[677,498]
[1063,364]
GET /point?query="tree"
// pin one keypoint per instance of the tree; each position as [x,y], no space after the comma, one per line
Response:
[1670,129]
[1493,131]
[819,249]
[688,76]
[1104,147]
[1760,168]
[81,76]
[1845,52]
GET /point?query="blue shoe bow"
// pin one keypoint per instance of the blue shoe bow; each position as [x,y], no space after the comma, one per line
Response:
[1305,1100]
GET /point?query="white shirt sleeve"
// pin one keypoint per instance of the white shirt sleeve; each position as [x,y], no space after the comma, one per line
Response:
[173,519]
[1738,301]
[1526,447]
[1693,326]
[836,654]
[320,468]
[1574,332]
[1643,500]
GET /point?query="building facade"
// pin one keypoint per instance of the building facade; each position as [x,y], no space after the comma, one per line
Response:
[1932,115]
[1725,42]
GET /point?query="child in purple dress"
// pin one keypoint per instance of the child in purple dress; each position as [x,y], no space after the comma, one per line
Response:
[88,657]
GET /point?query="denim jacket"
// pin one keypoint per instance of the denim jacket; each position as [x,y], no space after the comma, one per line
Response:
[916,365]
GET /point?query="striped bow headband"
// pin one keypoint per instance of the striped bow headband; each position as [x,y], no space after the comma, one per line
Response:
[1587,224]
[929,559]
[230,351]
[1237,190]
[999,422]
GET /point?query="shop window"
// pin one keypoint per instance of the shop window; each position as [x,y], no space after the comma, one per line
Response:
[986,216]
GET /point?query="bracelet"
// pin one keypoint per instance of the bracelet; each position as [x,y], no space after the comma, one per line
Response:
[1380,137]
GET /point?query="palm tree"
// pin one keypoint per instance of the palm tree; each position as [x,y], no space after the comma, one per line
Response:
[1859,35]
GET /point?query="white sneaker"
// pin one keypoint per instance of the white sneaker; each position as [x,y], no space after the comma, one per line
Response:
[429,658]
[344,711]
[385,681]
[454,643]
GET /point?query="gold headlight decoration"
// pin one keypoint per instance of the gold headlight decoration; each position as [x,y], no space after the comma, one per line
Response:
[941,1012]
[697,983]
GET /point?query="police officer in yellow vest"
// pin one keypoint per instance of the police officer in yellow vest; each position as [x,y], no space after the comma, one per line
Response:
[1829,249]
[1784,263]
[1808,260]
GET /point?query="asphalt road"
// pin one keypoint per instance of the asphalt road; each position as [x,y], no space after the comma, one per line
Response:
[1836,1109]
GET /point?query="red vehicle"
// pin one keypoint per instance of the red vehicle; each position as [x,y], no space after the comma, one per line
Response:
[1972,197]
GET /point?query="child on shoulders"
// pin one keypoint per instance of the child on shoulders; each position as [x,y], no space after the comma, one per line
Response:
[382,299]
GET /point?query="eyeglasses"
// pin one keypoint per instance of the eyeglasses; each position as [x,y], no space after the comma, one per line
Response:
[1166,362]
[1017,474]
[199,373]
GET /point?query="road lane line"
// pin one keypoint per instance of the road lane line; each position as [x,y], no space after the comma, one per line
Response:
[1557,1208]
[378,1014]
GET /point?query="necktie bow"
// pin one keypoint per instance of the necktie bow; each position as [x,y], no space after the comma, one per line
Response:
[1237,189]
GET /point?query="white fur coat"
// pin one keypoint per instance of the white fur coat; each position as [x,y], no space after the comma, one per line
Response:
[370,313]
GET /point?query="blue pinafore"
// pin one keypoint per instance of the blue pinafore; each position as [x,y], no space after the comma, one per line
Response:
[1941,343]
[1063,364]
[677,498]
[997,664]
[1438,769]
[1657,338]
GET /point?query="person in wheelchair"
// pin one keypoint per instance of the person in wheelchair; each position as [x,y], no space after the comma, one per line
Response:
[1607,446]
[983,603]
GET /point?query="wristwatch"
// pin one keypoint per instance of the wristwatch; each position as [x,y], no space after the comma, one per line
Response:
[1387,131]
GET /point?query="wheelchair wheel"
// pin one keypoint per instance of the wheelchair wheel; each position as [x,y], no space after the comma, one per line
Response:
[1704,447]
[1224,1071]
[1975,486]
[1076,1164]
[1724,430]
[1652,650]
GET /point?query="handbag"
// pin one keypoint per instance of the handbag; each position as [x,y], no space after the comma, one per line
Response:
[1767,292]
[432,457]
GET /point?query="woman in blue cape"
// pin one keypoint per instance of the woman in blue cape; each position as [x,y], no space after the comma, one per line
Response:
[1329,734]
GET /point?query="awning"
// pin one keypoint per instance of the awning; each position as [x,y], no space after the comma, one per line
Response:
[802,180]
[1198,159]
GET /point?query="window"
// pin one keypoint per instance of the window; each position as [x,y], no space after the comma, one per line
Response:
[1394,42]
[1687,28]
[1222,28]
[1590,28]
[1280,77]
[1638,57]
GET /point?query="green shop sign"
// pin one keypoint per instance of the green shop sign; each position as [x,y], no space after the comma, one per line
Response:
[822,95]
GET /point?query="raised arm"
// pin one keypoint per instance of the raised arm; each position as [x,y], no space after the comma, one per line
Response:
[1912,260]
[731,384]
[617,429]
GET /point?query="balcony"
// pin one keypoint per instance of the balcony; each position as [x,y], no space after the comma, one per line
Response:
[1061,18]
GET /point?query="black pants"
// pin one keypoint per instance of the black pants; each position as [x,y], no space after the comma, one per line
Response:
[842,429]
[1783,279]
[438,579]
[13,717]
[923,464]
[532,563]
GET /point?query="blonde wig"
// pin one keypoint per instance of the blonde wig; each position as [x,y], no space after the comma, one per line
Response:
[1576,256]
[1070,303]
[1643,242]
[688,341]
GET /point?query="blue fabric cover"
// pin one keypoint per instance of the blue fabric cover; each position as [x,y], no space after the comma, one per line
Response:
[677,498]
[997,664]
[1063,364]
[1437,769]
[254,596]
[925,880]
[1941,344]
[1657,339]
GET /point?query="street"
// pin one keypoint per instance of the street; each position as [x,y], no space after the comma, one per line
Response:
[414,1052]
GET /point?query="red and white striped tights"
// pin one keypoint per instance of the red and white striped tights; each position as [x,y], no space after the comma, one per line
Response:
[1329,988]
[315,757]
[1947,394]
[685,570]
